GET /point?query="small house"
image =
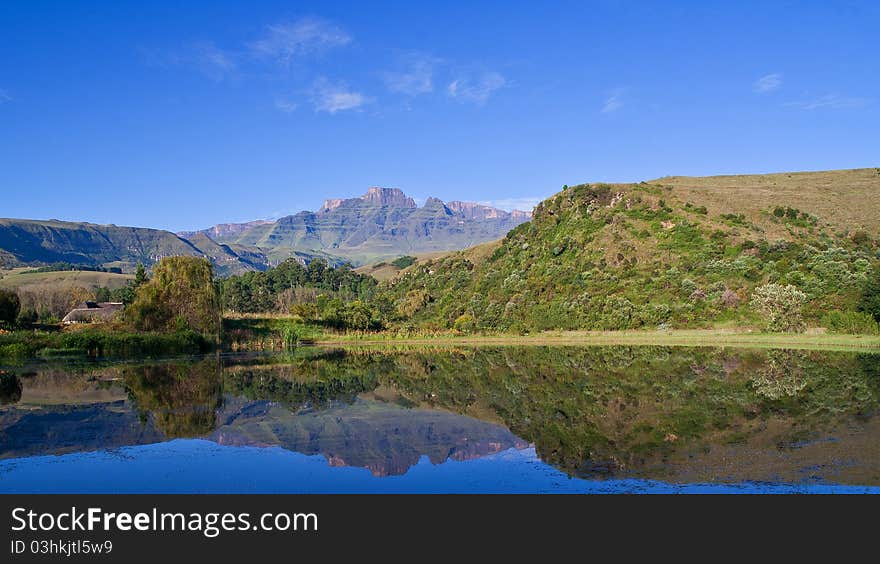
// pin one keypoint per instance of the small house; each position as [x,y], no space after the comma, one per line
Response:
[93,312]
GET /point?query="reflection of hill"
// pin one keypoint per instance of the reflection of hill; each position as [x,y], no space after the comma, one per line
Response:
[62,429]
[640,410]
[650,412]
[174,400]
[385,438]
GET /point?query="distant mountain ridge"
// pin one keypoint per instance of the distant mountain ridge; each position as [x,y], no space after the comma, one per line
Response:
[31,242]
[383,223]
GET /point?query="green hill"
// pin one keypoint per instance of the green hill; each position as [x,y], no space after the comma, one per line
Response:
[672,252]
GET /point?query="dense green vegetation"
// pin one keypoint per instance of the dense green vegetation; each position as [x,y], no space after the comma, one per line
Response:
[9,308]
[99,342]
[66,266]
[334,297]
[623,257]
[404,261]
[180,296]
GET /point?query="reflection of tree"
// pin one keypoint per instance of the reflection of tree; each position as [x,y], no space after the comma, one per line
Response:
[10,388]
[181,398]
[782,375]
[588,410]
[315,381]
[596,409]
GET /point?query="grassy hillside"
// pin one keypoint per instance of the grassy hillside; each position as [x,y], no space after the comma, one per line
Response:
[22,278]
[843,199]
[675,252]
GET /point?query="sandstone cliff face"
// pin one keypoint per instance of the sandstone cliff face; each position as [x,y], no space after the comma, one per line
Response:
[382,223]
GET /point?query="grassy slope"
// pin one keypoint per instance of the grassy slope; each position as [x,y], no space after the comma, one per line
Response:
[385,271]
[842,198]
[630,256]
[20,278]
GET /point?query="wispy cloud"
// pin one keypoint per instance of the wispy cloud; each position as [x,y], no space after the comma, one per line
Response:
[285,105]
[332,97]
[613,102]
[767,83]
[832,101]
[212,62]
[527,203]
[417,78]
[4,96]
[287,41]
[476,90]
[204,56]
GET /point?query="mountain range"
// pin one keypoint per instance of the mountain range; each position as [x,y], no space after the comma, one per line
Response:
[383,223]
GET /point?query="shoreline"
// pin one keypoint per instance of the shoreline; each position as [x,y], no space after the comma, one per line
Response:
[680,338]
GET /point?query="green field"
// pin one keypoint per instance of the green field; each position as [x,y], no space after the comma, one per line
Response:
[20,278]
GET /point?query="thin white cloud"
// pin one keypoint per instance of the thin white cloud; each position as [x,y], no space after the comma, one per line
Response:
[332,97]
[476,90]
[417,78]
[613,102]
[767,83]
[4,96]
[509,204]
[285,106]
[832,101]
[204,57]
[287,41]
[212,62]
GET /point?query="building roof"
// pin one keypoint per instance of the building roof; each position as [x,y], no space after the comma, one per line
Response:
[91,312]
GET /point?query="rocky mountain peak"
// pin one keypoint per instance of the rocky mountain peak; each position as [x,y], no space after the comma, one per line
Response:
[388,197]
[473,210]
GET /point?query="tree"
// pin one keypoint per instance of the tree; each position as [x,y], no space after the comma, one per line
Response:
[870,302]
[181,295]
[781,305]
[10,305]
[140,276]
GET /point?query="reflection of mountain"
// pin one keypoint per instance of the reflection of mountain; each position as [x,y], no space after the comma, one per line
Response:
[649,412]
[62,429]
[385,438]
[180,400]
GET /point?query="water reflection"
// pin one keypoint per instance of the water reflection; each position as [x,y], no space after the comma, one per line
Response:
[10,388]
[674,414]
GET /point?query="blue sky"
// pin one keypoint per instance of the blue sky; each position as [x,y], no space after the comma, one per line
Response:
[182,115]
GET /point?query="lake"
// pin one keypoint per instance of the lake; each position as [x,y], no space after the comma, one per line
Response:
[507,419]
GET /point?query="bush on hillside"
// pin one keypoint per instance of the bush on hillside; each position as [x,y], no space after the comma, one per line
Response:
[782,306]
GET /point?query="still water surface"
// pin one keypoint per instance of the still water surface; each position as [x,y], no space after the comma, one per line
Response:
[491,419]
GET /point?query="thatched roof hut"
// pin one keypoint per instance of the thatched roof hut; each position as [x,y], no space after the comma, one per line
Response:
[93,312]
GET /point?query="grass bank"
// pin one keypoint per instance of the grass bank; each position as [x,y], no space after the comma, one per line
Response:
[689,338]
[97,343]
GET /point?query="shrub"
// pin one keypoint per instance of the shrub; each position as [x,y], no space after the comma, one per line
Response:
[180,296]
[851,322]
[404,261]
[870,301]
[729,298]
[781,305]
[464,323]
[10,305]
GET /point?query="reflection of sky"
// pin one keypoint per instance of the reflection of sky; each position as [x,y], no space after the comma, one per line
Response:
[198,466]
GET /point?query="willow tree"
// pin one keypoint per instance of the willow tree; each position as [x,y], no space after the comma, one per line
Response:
[180,296]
